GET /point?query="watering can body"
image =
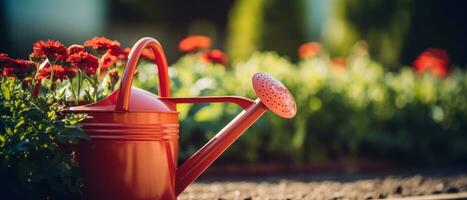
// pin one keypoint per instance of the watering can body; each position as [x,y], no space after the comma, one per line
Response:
[133,150]
[131,155]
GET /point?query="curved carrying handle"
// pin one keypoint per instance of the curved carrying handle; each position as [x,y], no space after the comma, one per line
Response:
[123,99]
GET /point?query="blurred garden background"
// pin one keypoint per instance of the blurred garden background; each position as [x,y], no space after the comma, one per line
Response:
[377,81]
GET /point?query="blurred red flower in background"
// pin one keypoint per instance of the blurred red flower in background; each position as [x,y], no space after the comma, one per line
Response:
[60,72]
[339,64]
[194,43]
[215,56]
[84,61]
[433,60]
[53,50]
[309,50]
[103,44]
[146,54]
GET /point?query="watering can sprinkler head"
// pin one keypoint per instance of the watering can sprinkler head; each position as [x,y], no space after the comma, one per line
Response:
[274,95]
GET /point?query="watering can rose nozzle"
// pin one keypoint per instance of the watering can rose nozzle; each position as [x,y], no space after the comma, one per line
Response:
[272,95]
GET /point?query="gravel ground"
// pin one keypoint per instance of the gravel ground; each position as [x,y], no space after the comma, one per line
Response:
[326,188]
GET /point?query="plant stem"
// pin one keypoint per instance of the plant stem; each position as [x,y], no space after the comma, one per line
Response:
[80,80]
[52,78]
[72,91]
[96,87]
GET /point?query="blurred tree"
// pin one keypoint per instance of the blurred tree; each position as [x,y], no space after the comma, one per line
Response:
[384,24]
[265,25]
[245,28]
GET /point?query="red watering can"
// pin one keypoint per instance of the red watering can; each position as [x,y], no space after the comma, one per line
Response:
[133,149]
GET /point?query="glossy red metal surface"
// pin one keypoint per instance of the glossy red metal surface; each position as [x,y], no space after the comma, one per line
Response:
[133,150]
[131,155]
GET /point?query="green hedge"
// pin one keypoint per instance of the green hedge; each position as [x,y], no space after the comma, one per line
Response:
[355,111]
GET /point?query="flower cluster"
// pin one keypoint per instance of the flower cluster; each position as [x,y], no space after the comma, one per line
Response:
[15,67]
[200,46]
[84,61]
[60,72]
[51,63]
[433,60]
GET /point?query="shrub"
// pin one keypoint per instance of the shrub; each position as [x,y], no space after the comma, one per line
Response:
[36,145]
[348,108]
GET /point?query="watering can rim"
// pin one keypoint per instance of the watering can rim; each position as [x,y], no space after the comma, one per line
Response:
[101,107]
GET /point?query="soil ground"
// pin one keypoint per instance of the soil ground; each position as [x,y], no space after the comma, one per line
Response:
[327,187]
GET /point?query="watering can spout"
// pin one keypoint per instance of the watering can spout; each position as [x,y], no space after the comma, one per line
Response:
[272,95]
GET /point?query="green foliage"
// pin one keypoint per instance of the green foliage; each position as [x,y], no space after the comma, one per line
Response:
[36,145]
[358,111]
[245,28]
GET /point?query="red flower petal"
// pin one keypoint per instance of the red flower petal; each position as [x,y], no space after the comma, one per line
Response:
[433,60]
[215,56]
[194,43]
[309,50]
[107,60]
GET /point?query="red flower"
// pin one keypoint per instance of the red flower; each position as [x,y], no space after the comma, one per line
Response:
[53,50]
[74,49]
[339,64]
[84,61]
[433,60]
[60,72]
[215,56]
[124,54]
[102,44]
[146,54]
[71,72]
[194,43]
[107,60]
[118,52]
[9,71]
[309,50]
[19,68]
[5,61]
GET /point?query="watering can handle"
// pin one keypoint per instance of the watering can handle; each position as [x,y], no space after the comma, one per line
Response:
[123,98]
